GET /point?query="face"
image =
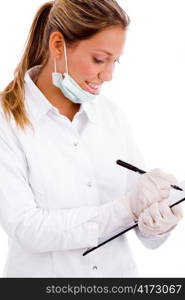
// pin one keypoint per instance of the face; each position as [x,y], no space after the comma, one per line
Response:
[91,62]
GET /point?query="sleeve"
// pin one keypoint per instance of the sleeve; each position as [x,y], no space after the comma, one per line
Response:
[136,159]
[151,242]
[43,230]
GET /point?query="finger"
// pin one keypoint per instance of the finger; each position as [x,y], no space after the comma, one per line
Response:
[169,178]
[146,218]
[177,211]
[164,194]
[167,213]
[152,214]
[157,215]
[159,174]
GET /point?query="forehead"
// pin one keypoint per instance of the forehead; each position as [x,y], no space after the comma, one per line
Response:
[111,39]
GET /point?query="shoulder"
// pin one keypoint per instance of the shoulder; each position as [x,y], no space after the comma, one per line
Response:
[5,122]
[10,147]
[3,119]
[7,127]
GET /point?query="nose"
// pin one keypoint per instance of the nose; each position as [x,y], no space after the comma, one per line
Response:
[107,73]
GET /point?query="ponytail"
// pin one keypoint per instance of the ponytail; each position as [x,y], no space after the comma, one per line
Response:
[12,97]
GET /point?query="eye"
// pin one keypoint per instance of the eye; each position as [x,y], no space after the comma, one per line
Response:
[98,61]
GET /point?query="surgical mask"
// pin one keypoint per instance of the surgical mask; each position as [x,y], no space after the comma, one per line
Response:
[69,87]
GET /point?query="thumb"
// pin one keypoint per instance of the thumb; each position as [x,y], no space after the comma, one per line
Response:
[177,211]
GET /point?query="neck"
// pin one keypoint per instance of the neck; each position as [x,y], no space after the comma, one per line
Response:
[54,95]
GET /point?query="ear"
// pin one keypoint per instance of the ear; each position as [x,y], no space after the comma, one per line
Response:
[56,44]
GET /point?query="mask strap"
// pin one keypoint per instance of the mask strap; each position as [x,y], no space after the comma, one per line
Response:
[65,55]
[55,66]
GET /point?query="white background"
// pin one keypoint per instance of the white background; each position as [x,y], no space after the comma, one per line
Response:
[148,85]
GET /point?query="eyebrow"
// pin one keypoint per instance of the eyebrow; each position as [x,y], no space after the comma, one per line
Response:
[101,50]
[105,51]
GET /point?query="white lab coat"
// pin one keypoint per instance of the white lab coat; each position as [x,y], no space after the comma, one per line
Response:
[61,190]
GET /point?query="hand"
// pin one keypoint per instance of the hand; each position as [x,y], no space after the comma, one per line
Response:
[153,186]
[159,218]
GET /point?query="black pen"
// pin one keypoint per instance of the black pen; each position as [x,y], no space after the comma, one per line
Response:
[135,169]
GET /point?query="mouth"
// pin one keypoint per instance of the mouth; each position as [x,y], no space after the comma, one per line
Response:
[92,88]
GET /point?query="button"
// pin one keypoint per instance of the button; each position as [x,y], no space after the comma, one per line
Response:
[75,144]
[89,184]
[95,268]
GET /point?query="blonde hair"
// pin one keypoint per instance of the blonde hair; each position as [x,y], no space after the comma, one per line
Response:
[76,20]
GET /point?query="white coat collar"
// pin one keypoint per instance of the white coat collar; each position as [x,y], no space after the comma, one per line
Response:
[37,104]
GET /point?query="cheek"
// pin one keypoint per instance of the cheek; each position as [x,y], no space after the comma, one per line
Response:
[83,70]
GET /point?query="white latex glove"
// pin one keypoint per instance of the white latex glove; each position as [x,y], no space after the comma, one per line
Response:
[159,218]
[153,186]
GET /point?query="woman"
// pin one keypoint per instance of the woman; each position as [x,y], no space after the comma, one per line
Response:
[61,189]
